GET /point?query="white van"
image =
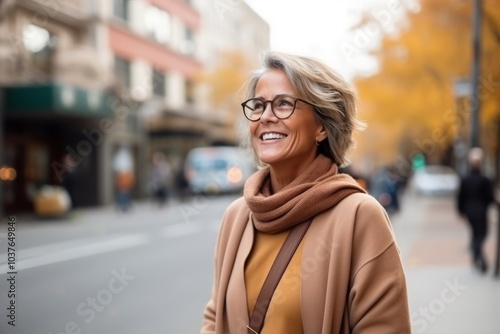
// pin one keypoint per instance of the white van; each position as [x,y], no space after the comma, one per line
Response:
[218,169]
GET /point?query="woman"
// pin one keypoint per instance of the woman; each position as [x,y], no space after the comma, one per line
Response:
[346,274]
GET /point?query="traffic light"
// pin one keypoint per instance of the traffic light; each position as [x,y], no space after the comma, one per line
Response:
[418,161]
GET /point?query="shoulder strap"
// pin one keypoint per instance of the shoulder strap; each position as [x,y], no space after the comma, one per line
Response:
[273,277]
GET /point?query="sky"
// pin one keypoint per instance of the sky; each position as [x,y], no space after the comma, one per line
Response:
[323,28]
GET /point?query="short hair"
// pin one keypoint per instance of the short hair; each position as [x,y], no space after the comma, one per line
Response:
[333,97]
[475,157]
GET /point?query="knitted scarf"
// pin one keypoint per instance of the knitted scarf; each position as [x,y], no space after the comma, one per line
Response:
[319,188]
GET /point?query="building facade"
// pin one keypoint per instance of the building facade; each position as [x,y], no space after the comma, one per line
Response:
[82,82]
[55,102]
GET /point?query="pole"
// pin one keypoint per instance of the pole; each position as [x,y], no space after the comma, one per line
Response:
[475,101]
[1,150]
[497,264]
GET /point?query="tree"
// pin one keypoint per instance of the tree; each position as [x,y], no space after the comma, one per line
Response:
[223,85]
[409,103]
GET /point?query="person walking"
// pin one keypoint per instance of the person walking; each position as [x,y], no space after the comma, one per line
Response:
[160,179]
[475,194]
[181,182]
[124,178]
[343,273]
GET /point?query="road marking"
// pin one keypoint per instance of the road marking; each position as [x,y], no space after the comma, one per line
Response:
[179,230]
[54,247]
[80,252]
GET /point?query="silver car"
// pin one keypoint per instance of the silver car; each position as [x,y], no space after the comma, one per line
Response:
[220,169]
[436,180]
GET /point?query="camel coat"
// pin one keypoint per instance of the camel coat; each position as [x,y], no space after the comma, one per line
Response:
[352,277]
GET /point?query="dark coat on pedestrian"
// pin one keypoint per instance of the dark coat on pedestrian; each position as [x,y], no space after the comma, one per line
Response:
[474,197]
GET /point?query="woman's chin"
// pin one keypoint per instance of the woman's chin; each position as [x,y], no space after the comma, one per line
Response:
[269,158]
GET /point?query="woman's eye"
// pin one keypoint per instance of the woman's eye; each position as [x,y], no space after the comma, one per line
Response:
[285,103]
[258,106]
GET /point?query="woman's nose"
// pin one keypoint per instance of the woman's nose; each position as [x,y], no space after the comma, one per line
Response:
[268,114]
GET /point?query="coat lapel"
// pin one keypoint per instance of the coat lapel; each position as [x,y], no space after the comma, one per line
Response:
[239,312]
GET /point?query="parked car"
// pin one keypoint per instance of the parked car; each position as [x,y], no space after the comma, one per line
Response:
[220,169]
[435,180]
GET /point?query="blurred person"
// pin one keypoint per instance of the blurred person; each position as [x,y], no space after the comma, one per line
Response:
[385,188]
[160,179]
[181,182]
[124,177]
[345,275]
[124,183]
[70,180]
[474,196]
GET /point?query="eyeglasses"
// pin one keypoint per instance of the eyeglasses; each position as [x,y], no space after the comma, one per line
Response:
[282,107]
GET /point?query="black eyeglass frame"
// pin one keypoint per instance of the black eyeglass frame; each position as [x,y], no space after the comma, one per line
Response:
[265,102]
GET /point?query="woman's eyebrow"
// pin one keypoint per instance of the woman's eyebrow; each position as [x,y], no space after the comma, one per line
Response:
[275,96]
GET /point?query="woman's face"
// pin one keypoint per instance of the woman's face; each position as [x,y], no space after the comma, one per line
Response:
[285,143]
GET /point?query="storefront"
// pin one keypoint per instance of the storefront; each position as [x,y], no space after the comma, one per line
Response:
[52,136]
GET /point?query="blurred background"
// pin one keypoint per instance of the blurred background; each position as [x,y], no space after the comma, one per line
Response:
[119,121]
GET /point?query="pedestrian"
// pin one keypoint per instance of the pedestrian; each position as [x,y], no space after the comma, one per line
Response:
[181,182]
[474,197]
[124,183]
[345,275]
[124,177]
[160,179]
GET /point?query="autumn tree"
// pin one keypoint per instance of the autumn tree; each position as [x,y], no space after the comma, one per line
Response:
[223,84]
[409,103]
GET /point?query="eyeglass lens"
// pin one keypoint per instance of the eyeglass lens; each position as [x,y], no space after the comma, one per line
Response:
[282,107]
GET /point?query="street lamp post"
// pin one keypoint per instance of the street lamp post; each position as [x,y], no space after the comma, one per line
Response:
[462,89]
[475,101]
[497,262]
[1,151]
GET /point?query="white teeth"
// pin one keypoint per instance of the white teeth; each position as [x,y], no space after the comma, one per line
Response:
[268,136]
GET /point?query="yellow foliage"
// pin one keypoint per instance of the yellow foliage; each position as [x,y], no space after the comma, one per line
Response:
[226,78]
[409,104]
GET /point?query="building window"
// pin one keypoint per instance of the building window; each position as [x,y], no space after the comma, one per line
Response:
[40,43]
[121,9]
[159,83]
[189,91]
[122,72]
[188,42]
[158,24]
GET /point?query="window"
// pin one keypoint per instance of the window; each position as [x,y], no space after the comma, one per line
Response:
[40,43]
[159,83]
[188,42]
[189,89]
[122,72]
[158,24]
[120,9]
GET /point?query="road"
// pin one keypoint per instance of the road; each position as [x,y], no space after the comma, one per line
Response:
[102,271]
[150,270]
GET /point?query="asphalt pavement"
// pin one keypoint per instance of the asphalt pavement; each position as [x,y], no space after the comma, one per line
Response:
[170,252]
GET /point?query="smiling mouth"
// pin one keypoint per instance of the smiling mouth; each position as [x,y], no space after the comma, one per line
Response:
[271,136]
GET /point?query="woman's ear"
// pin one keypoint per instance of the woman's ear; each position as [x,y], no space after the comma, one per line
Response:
[321,135]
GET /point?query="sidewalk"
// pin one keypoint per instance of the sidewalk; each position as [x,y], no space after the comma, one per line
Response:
[446,294]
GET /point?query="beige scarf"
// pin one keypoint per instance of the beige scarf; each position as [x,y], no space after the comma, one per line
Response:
[319,188]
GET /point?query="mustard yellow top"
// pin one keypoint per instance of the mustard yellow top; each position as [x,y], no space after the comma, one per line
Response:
[284,314]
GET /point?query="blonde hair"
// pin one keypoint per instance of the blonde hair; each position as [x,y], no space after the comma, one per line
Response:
[333,97]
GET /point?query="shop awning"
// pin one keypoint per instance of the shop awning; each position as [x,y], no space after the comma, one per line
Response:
[54,99]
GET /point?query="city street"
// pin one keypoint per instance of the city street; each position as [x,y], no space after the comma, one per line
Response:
[150,270]
[102,271]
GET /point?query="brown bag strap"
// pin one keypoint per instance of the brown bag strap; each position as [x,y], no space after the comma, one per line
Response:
[273,277]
